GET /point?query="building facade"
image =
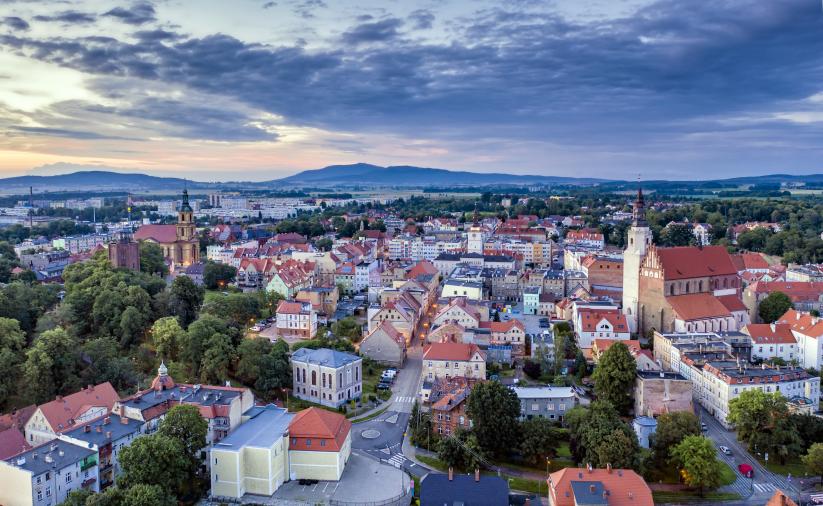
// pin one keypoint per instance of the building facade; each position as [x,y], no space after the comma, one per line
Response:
[327,377]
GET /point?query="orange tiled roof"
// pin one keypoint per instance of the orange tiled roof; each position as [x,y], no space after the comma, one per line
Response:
[450,351]
[693,262]
[503,327]
[764,333]
[698,306]
[61,412]
[803,323]
[318,424]
[590,319]
[625,487]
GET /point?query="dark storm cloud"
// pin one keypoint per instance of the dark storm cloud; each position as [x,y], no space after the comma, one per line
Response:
[505,72]
[68,17]
[138,14]
[378,31]
[15,23]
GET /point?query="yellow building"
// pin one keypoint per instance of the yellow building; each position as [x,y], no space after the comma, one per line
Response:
[320,445]
[254,459]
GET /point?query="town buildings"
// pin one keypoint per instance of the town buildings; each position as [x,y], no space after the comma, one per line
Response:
[447,360]
[589,486]
[385,344]
[64,413]
[547,402]
[327,377]
[808,332]
[179,242]
[295,320]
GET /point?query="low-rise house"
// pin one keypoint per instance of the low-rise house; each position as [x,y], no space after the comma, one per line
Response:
[400,312]
[107,436]
[510,333]
[588,486]
[659,392]
[344,278]
[449,400]
[462,311]
[64,413]
[448,360]
[596,324]
[296,320]
[438,489]
[290,277]
[644,359]
[46,474]
[547,402]
[254,459]
[320,445]
[322,298]
[472,290]
[327,377]
[772,340]
[385,344]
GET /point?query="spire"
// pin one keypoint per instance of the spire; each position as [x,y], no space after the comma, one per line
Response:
[475,215]
[185,205]
[162,370]
[639,210]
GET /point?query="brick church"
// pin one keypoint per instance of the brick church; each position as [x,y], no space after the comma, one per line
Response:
[179,242]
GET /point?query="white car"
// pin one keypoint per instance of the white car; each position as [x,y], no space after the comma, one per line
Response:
[725,449]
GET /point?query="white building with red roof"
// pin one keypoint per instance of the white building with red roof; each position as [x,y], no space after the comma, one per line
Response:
[594,324]
[319,444]
[296,320]
[772,340]
[448,360]
[585,237]
[511,333]
[64,413]
[808,331]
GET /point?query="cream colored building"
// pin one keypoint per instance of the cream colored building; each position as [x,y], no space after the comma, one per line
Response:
[449,360]
[320,445]
[254,459]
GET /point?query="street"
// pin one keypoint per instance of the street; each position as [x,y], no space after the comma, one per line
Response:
[756,490]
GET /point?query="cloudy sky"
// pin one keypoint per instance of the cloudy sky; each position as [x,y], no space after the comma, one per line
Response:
[257,89]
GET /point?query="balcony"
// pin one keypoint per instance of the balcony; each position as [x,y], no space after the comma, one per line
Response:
[88,465]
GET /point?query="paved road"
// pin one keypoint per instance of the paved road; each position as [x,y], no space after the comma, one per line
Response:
[756,490]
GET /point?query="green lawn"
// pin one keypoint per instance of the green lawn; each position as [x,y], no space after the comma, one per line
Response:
[433,462]
[661,497]
[793,465]
[563,451]
[727,476]
[371,377]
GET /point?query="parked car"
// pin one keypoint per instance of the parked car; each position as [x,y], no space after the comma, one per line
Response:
[725,449]
[384,386]
[704,427]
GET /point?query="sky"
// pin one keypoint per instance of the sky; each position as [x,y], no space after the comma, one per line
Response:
[261,89]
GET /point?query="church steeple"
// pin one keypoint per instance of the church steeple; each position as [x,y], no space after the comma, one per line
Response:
[185,205]
[639,210]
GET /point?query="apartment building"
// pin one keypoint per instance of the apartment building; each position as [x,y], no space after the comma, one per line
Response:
[327,377]
[296,320]
[447,360]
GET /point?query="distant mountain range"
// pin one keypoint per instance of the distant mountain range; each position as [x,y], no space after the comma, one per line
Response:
[359,174]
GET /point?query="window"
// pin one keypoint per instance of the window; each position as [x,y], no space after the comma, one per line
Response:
[314,377]
[68,477]
[308,442]
[48,491]
[322,442]
[535,407]
[39,495]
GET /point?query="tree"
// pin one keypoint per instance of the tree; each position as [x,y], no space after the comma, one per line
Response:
[774,306]
[618,448]
[195,341]
[671,429]
[218,275]
[598,436]
[185,424]
[147,495]
[77,497]
[155,460]
[349,328]
[539,439]
[531,369]
[12,343]
[132,327]
[104,361]
[763,421]
[494,410]
[152,260]
[51,365]
[696,457]
[185,299]
[238,309]
[217,359]
[614,377]
[677,234]
[814,459]
[166,334]
[450,451]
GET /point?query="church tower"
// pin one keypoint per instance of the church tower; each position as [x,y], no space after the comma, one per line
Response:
[187,246]
[637,244]
[474,240]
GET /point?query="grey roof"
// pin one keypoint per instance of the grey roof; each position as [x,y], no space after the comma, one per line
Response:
[55,454]
[547,392]
[645,421]
[436,489]
[468,284]
[194,394]
[669,375]
[115,427]
[261,431]
[324,356]
[589,493]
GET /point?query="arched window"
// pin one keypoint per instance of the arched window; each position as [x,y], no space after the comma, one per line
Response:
[671,289]
[314,377]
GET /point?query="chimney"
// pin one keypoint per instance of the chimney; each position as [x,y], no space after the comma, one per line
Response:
[106,420]
[593,488]
[609,468]
[451,474]
[91,387]
[477,474]
[124,420]
[58,398]
[108,434]
[99,428]
[589,467]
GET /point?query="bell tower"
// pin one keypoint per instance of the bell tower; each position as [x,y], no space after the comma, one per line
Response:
[637,245]
[187,246]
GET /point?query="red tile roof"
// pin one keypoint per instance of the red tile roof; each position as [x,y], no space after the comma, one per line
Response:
[387,327]
[12,442]
[744,261]
[17,418]
[693,262]
[764,333]
[158,233]
[604,344]
[318,424]
[589,320]
[503,327]
[288,307]
[698,306]
[421,268]
[625,487]
[803,323]
[450,351]
[796,290]
[61,412]
[732,303]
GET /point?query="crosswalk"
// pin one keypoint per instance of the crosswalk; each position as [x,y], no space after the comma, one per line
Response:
[765,488]
[397,460]
[404,399]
